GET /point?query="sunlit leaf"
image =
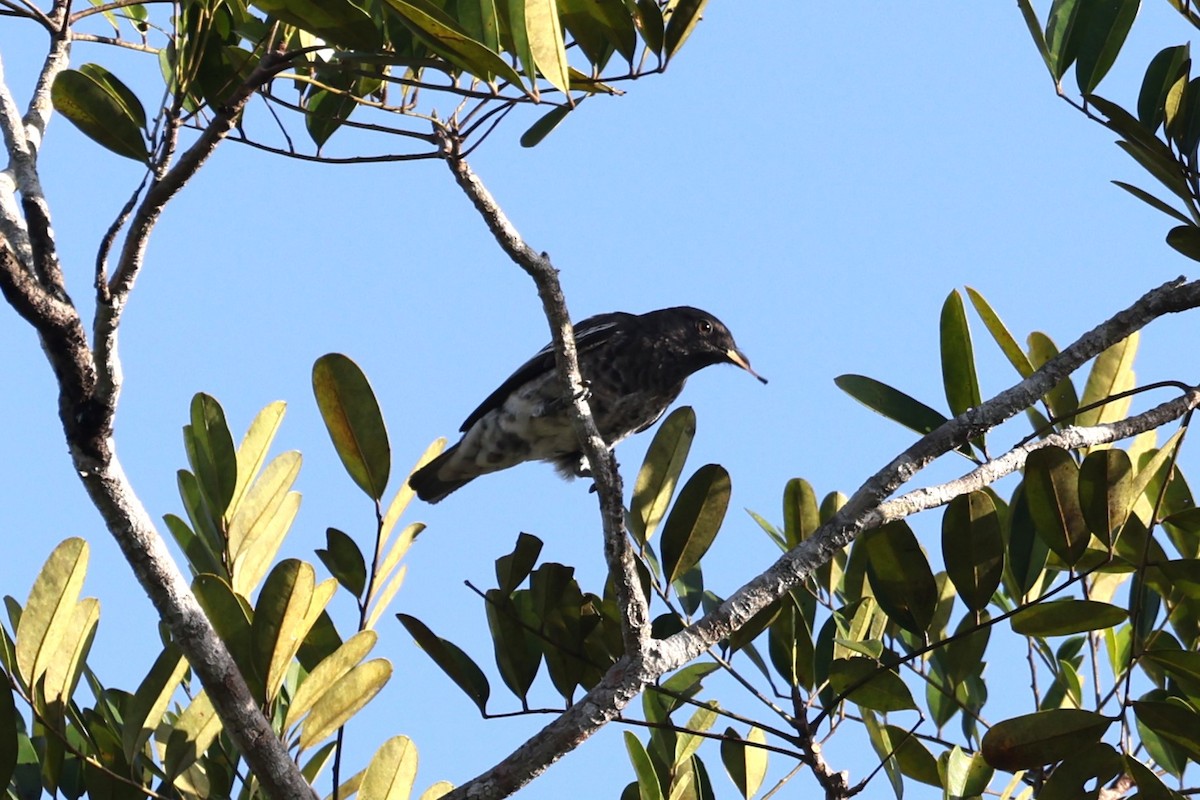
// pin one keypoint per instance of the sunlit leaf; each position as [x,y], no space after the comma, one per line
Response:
[100,108]
[343,699]
[329,673]
[352,417]
[392,772]
[656,480]
[48,611]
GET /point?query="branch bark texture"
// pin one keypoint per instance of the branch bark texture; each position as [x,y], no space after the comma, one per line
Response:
[89,382]
[866,509]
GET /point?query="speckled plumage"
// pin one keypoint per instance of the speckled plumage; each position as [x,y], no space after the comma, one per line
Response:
[634,366]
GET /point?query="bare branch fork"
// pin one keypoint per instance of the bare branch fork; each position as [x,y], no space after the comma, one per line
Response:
[648,659]
[89,384]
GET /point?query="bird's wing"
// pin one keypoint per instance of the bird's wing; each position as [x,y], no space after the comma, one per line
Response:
[589,334]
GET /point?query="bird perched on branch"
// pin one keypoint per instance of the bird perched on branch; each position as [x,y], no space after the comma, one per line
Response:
[633,366]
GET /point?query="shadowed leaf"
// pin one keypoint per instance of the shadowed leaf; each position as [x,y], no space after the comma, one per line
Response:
[352,417]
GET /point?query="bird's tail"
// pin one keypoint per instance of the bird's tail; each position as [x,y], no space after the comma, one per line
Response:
[428,483]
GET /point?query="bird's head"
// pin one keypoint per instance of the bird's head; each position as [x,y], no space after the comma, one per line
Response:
[702,339]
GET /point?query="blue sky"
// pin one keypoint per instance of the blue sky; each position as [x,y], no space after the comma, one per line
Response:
[820,176]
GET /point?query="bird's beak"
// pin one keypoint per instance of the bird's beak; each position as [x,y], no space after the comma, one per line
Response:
[736,357]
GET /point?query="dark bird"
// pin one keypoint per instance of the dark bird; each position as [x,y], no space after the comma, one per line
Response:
[633,366]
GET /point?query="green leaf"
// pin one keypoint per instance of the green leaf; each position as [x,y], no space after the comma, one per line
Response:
[682,20]
[686,744]
[1106,492]
[287,608]
[518,655]
[996,327]
[1062,399]
[1154,202]
[143,710]
[215,460]
[10,723]
[344,699]
[48,612]
[694,520]
[1111,373]
[195,729]
[964,776]
[661,468]
[882,745]
[648,785]
[231,619]
[1186,240]
[1100,31]
[514,568]
[790,645]
[1163,72]
[392,772]
[1052,491]
[1095,764]
[434,27]
[900,576]
[914,758]
[648,18]
[1059,38]
[452,660]
[546,123]
[437,790]
[973,548]
[352,417]
[958,357]
[252,452]
[100,106]
[891,403]
[801,512]
[1044,737]
[344,561]
[864,682]
[1173,722]
[336,21]
[1064,617]
[1150,787]
[1035,31]
[746,765]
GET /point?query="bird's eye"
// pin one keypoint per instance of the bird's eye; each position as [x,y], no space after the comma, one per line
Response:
[705,327]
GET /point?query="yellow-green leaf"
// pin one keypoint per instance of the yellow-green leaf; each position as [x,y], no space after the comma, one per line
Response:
[190,736]
[252,452]
[354,421]
[100,111]
[50,609]
[326,675]
[392,772]
[344,699]
[1111,374]
[656,480]
[544,30]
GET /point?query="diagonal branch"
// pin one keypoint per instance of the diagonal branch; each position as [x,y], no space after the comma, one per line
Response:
[862,510]
[866,509]
[635,669]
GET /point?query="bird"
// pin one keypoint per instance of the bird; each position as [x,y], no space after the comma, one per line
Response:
[633,367]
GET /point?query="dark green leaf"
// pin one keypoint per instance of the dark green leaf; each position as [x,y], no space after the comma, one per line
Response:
[100,108]
[900,575]
[1044,737]
[648,18]
[958,357]
[1185,239]
[517,652]
[801,513]
[355,424]
[684,15]
[1106,492]
[336,21]
[891,403]
[1095,764]
[1100,31]
[215,456]
[1035,31]
[1153,201]
[695,520]
[790,645]
[1052,491]
[1173,722]
[973,548]
[344,561]
[452,660]
[514,568]
[9,726]
[915,760]
[1164,70]
[1027,551]
[1148,783]
[1064,617]
[440,32]
[544,125]
[1059,29]
[864,682]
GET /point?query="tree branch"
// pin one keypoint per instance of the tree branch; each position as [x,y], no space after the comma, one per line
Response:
[87,405]
[630,675]
[863,509]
